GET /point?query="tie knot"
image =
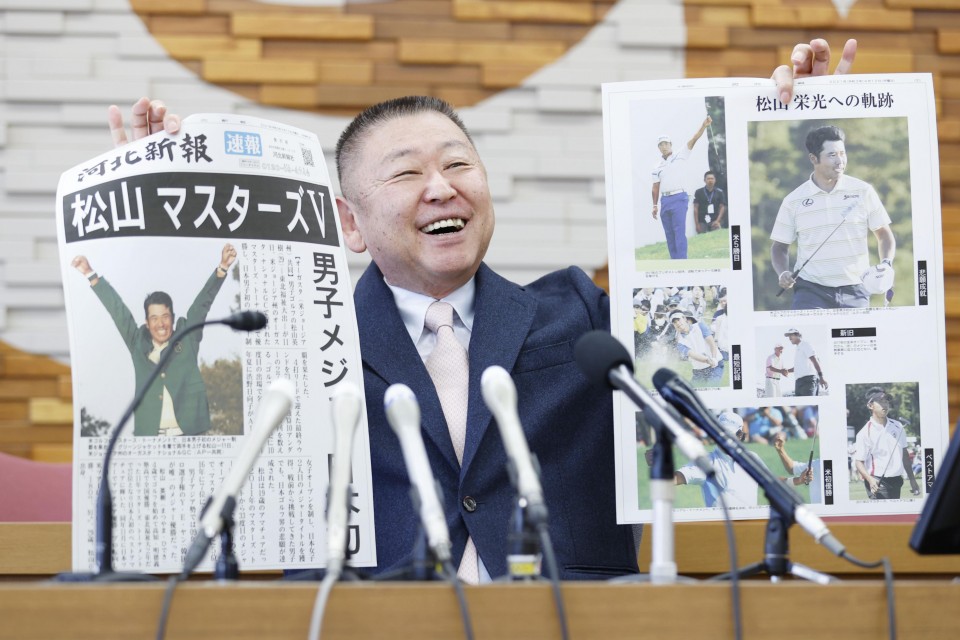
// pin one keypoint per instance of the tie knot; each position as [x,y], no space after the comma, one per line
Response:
[439,314]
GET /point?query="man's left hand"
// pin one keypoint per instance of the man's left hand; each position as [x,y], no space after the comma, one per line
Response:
[227,256]
[811,60]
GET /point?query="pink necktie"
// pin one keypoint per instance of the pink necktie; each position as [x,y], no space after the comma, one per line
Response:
[449,368]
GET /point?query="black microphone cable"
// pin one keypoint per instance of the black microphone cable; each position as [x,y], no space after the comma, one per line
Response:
[451,575]
[172,583]
[550,558]
[736,607]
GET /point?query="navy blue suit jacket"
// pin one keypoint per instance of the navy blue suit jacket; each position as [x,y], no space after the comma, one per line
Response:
[529,331]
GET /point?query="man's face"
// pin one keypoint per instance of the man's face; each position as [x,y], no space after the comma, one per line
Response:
[778,351]
[159,322]
[793,338]
[710,181]
[832,161]
[666,148]
[417,198]
[681,325]
[880,406]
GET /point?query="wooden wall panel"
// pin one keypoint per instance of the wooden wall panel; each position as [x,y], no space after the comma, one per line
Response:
[36,411]
[258,38]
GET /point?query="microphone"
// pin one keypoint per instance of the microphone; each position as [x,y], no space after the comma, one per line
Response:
[347,407]
[786,501]
[245,321]
[500,394]
[274,407]
[403,414]
[604,361]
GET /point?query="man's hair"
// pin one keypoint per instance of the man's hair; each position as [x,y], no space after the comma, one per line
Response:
[382,112]
[874,394]
[709,173]
[157,297]
[816,138]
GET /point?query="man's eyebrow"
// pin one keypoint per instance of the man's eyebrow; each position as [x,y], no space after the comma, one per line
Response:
[396,154]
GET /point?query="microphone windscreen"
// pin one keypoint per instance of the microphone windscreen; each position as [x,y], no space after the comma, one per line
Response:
[662,378]
[597,353]
[246,321]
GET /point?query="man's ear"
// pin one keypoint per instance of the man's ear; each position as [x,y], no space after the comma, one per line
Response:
[348,222]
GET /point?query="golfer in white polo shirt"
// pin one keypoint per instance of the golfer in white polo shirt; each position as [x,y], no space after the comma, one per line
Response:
[829,217]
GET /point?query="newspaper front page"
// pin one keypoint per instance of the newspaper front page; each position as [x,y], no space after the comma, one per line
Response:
[232,213]
[786,261]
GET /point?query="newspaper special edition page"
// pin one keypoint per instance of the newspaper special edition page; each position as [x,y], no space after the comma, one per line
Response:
[232,213]
[785,260]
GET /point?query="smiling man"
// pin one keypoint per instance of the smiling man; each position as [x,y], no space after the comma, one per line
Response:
[415,195]
[829,217]
[177,403]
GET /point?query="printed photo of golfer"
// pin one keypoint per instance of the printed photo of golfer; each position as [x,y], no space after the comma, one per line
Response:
[685,329]
[784,439]
[884,441]
[830,214]
[679,164]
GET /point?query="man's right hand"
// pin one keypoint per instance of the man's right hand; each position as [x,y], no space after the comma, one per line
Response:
[778,440]
[655,209]
[146,117]
[81,264]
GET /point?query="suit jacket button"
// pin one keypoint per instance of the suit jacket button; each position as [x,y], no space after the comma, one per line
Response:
[470,504]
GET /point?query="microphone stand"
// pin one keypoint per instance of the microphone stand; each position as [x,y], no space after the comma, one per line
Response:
[226,567]
[524,550]
[104,523]
[776,561]
[663,567]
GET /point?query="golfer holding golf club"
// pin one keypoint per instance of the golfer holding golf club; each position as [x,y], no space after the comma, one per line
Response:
[829,216]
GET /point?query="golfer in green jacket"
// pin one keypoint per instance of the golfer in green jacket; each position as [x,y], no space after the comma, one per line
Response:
[176,403]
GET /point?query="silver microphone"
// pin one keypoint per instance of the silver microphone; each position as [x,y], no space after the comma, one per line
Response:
[500,394]
[403,414]
[346,405]
[273,408]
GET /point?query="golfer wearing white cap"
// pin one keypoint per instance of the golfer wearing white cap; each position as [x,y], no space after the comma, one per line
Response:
[736,485]
[670,200]
[738,488]
[692,345]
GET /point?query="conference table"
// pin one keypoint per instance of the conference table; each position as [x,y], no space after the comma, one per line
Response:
[260,605]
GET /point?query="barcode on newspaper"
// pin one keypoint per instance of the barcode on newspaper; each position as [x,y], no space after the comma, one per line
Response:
[307,156]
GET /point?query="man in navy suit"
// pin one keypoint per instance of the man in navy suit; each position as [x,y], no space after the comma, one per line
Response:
[415,196]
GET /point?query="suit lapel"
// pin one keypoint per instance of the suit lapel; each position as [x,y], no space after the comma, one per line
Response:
[503,314]
[387,350]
